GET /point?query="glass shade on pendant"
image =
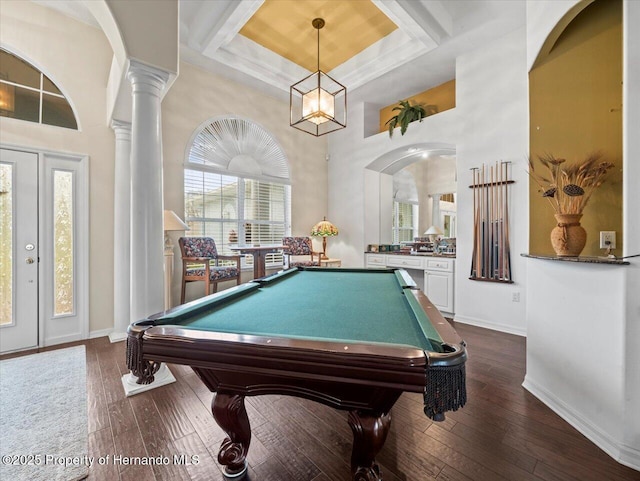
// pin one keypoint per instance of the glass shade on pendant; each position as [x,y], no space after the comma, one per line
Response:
[318,104]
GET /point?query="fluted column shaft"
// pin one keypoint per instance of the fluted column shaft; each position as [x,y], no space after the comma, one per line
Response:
[122,231]
[147,239]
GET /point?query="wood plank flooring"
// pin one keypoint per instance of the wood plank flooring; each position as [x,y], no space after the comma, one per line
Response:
[504,433]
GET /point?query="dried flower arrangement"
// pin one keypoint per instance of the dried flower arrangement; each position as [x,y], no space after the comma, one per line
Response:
[568,188]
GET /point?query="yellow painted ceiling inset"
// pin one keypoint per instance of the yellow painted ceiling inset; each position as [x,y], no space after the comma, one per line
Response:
[284,27]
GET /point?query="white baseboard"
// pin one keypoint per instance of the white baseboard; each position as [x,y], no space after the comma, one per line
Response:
[490,325]
[630,456]
[117,336]
[53,341]
[100,333]
[623,454]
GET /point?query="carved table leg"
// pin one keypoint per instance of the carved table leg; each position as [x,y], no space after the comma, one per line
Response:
[231,416]
[369,434]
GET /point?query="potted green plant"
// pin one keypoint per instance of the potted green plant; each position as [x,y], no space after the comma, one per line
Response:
[408,113]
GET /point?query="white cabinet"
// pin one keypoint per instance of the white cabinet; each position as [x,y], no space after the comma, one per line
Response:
[375,260]
[439,283]
[433,274]
[406,262]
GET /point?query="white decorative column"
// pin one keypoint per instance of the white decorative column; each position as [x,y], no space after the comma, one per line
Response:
[435,211]
[168,278]
[147,235]
[122,232]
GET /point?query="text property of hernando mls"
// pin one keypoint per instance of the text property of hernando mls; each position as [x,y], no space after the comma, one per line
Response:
[114,459]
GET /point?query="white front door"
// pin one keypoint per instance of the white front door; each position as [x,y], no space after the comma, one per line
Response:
[18,250]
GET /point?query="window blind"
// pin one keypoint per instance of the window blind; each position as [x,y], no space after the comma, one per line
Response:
[233,210]
[403,222]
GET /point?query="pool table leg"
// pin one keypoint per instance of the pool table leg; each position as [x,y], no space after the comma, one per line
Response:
[369,434]
[231,415]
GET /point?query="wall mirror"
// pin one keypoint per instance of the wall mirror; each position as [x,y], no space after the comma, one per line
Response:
[416,192]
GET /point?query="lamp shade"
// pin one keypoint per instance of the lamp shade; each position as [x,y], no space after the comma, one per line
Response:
[173,222]
[433,230]
[324,228]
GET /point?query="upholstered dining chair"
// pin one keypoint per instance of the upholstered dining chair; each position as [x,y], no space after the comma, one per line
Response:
[201,262]
[298,247]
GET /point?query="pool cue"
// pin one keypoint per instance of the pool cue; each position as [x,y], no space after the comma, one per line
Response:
[475,223]
[506,213]
[491,212]
[494,227]
[485,264]
[481,222]
[476,193]
[478,225]
[499,221]
[500,225]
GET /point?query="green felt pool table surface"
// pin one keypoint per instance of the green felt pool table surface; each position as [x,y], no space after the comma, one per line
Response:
[345,305]
[352,339]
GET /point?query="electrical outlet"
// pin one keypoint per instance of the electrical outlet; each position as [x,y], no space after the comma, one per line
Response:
[607,239]
[515,297]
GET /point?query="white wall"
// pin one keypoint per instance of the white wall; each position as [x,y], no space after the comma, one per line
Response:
[354,190]
[492,105]
[77,58]
[631,221]
[489,123]
[575,338]
[197,96]
[583,320]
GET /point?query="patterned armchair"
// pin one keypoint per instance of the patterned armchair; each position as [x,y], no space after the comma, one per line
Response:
[200,262]
[299,246]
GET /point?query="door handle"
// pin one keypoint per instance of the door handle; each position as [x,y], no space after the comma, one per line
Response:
[29,260]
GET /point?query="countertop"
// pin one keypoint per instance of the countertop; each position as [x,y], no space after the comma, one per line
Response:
[420,254]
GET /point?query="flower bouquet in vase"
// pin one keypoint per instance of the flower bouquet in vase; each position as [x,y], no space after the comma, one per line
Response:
[568,188]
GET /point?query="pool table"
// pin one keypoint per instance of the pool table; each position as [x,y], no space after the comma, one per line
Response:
[353,339]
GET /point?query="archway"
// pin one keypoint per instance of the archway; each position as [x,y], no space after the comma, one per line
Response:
[378,185]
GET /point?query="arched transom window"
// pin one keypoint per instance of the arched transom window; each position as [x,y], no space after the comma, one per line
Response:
[27,94]
[236,186]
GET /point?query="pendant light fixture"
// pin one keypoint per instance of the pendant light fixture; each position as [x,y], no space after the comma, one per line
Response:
[318,103]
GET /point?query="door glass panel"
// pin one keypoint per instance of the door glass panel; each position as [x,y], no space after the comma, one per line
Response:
[63,228]
[6,244]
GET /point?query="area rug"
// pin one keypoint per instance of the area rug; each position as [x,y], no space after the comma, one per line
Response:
[43,416]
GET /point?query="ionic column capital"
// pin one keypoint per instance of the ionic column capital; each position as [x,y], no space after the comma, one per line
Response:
[122,129]
[147,79]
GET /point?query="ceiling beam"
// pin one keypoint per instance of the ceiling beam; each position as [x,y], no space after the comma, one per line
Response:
[216,23]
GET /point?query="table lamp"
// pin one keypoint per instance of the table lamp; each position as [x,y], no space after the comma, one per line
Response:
[324,229]
[171,223]
[433,232]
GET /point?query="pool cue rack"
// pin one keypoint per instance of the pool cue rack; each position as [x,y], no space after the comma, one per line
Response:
[491,259]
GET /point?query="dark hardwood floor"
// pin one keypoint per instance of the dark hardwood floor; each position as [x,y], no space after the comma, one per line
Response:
[504,433]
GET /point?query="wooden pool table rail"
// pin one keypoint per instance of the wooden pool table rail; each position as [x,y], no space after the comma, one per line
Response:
[363,378]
